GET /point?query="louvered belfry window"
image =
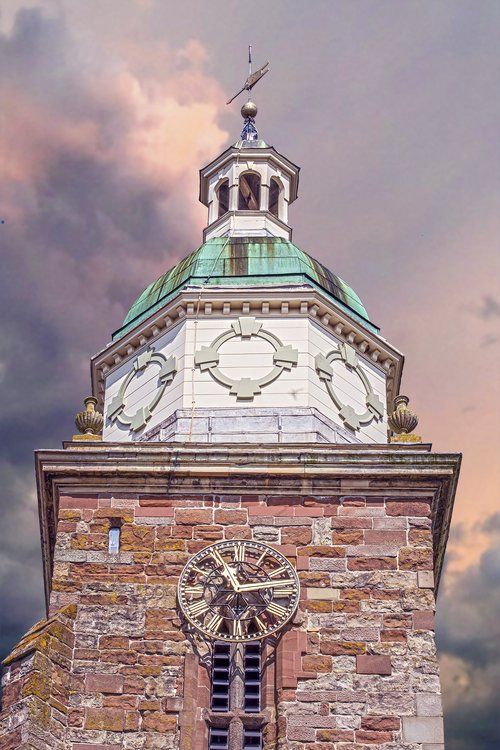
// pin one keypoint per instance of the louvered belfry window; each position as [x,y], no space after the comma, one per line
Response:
[236,690]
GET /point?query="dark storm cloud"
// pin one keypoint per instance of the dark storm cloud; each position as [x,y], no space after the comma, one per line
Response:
[88,213]
[468,633]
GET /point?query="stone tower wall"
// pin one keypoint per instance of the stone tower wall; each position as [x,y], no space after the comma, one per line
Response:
[357,669]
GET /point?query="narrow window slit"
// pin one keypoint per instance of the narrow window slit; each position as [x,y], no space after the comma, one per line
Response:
[114,540]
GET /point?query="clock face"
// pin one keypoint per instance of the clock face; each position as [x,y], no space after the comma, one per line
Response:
[238,591]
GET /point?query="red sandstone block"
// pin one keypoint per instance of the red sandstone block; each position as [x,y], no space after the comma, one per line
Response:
[264,510]
[372,563]
[289,550]
[301,734]
[231,516]
[110,719]
[352,536]
[153,512]
[193,516]
[351,522]
[423,620]
[342,648]
[296,534]
[77,502]
[334,735]
[92,746]
[321,550]
[317,663]
[388,536]
[237,532]
[373,664]
[364,735]
[395,636]
[302,563]
[381,723]
[408,509]
[299,510]
[397,621]
[415,558]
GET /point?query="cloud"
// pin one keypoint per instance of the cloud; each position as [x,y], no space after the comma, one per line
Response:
[99,159]
[468,632]
[490,307]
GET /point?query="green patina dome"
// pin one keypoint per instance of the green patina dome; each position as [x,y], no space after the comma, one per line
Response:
[244,261]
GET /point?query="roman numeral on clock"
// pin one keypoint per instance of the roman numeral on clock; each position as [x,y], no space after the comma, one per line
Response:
[193,590]
[214,624]
[276,609]
[239,552]
[237,628]
[198,608]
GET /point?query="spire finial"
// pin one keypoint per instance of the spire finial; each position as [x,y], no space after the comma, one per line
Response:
[249,109]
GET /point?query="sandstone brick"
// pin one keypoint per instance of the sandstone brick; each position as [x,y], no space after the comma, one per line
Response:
[394,636]
[372,550]
[157,721]
[78,502]
[342,648]
[429,704]
[415,558]
[373,664]
[408,508]
[315,605]
[346,523]
[193,516]
[104,683]
[301,734]
[314,580]
[371,563]
[381,723]
[397,621]
[334,735]
[94,746]
[353,536]
[326,563]
[420,537]
[386,536]
[237,517]
[369,737]
[423,620]
[109,719]
[322,593]
[423,729]
[321,551]
[238,532]
[317,663]
[134,537]
[425,579]
[296,535]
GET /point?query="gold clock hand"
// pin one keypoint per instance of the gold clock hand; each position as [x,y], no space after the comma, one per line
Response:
[227,570]
[267,585]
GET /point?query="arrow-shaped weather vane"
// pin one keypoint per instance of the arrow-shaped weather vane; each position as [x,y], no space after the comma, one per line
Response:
[253,78]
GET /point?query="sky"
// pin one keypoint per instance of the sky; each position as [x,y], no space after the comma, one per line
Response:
[392,110]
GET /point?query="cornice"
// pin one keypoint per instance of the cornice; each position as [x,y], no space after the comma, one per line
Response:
[154,468]
[198,302]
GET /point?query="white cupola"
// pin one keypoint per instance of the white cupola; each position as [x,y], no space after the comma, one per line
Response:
[249,187]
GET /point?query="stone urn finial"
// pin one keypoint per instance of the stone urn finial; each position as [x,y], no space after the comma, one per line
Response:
[403,421]
[89,422]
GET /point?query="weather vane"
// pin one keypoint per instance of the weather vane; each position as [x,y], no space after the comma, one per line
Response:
[249,109]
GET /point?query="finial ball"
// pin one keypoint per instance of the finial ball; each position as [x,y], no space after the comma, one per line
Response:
[249,109]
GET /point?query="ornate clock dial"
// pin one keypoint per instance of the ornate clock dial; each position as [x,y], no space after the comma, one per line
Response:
[238,591]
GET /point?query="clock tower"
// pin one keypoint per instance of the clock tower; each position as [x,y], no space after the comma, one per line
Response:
[243,545]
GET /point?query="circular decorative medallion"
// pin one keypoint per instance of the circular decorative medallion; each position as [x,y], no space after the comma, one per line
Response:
[284,358]
[347,355]
[238,591]
[116,409]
